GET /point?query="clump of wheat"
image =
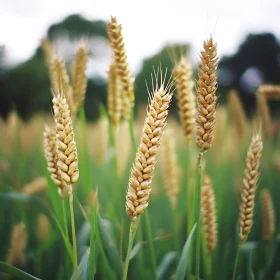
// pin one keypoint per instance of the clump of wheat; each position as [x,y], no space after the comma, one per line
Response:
[249,187]
[170,167]
[18,245]
[141,174]
[43,227]
[122,67]
[38,185]
[267,214]
[66,148]
[238,116]
[79,78]
[208,213]
[114,96]
[185,96]
[270,91]
[206,98]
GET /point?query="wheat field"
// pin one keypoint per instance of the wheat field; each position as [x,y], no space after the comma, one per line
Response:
[190,195]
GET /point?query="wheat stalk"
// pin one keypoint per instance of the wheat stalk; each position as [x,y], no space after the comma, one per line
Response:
[142,171]
[122,68]
[237,115]
[66,149]
[268,215]
[206,98]
[249,187]
[114,96]
[185,96]
[170,167]
[18,245]
[208,213]
[79,78]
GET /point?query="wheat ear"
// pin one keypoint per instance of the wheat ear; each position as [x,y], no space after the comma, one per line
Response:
[61,83]
[18,245]
[185,96]
[249,187]
[237,114]
[208,213]
[38,185]
[264,112]
[122,68]
[140,180]
[206,98]
[268,215]
[79,78]
[170,167]
[270,91]
[65,143]
[114,96]
[43,227]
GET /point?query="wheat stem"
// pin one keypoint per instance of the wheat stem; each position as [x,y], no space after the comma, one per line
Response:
[75,255]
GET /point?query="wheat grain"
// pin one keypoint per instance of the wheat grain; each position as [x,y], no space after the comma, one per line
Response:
[249,187]
[206,98]
[185,96]
[141,174]
[122,68]
[267,214]
[79,78]
[208,213]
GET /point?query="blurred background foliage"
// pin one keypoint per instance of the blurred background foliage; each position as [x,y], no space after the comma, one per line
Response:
[26,88]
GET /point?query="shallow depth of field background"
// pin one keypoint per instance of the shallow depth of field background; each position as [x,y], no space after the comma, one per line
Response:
[155,32]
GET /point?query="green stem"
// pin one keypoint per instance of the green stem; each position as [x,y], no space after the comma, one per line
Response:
[65,219]
[132,231]
[235,264]
[198,196]
[150,243]
[75,256]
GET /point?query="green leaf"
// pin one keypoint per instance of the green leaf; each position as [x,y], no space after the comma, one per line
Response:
[165,266]
[105,228]
[135,250]
[181,269]
[83,268]
[11,270]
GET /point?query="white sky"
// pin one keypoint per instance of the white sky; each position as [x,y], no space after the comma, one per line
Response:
[147,24]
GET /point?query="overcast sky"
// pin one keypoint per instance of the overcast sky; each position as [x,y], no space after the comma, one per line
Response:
[147,24]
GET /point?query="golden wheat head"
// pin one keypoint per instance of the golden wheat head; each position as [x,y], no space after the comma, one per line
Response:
[79,78]
[206,98]
[65,143]
[208,214]
[268,215]
[122,67]
[185,96]
[249,187]
[140,180]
